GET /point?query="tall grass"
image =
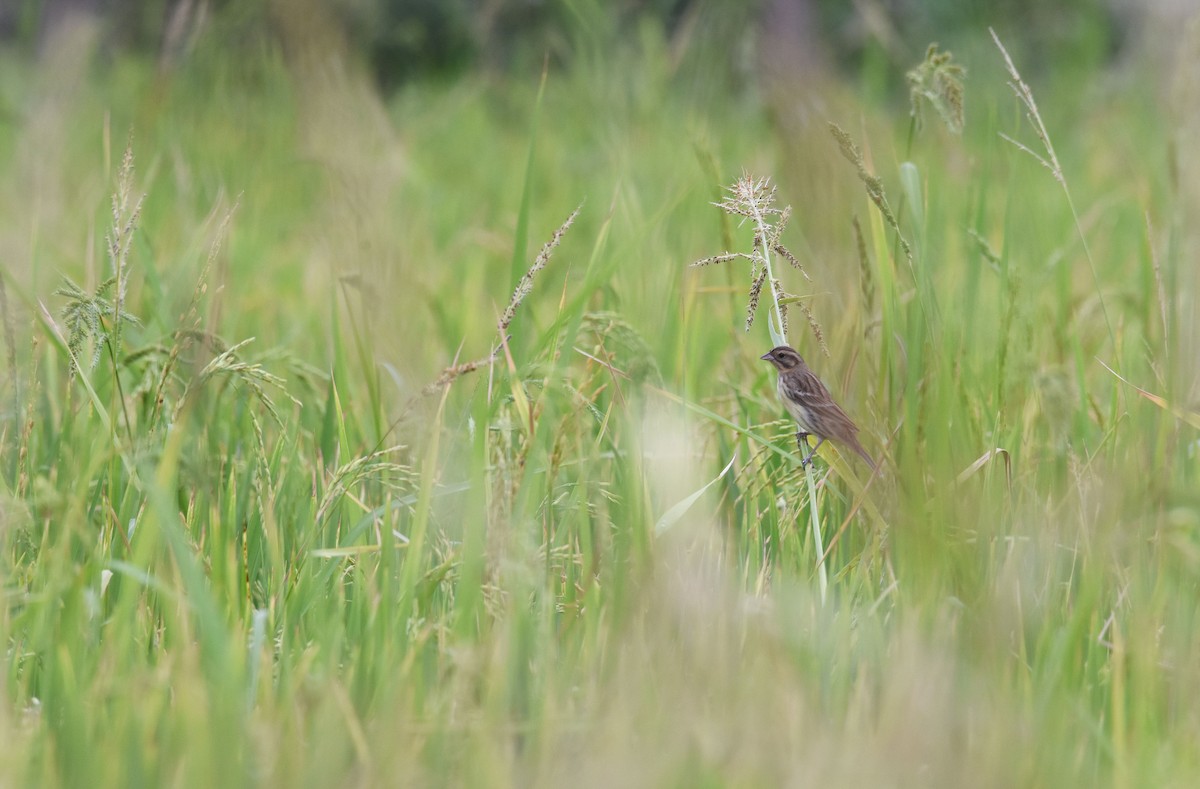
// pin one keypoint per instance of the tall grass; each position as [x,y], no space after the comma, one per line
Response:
[327,513]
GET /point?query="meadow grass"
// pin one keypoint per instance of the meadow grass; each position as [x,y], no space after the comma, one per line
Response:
[323,511]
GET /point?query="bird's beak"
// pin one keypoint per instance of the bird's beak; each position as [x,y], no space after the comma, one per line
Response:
[766,357]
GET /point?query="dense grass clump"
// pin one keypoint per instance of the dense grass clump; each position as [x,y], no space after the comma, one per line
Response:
[293,491]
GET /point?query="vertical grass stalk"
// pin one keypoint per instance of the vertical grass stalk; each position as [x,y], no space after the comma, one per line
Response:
[755,199]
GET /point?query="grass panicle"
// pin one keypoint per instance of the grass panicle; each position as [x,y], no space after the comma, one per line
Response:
[253,376]
[125,216]
[756,285]
[754,198]
[938,81]
[525,286]
[1024,94]
[90,318]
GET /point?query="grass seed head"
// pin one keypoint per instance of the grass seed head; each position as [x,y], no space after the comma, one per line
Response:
[938,81]
[754,199]
[525,286]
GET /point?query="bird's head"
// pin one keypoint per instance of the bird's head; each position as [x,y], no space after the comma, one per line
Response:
[783,357]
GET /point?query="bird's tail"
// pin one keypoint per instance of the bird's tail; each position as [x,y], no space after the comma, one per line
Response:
[857,447]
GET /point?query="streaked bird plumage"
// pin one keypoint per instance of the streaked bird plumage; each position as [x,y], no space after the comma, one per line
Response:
[810,404]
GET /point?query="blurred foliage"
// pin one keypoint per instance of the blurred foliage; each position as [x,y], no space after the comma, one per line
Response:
[406,39]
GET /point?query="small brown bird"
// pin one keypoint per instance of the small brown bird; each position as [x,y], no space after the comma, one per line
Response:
[809,403]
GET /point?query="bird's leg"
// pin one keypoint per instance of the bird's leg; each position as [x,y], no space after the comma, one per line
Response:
[801,441]
[812,454]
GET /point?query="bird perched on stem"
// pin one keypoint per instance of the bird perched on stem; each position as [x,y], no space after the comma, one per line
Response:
[809,403]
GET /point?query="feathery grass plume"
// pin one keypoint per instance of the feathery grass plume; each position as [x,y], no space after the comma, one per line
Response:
[120,240]
[525,286]
[754,199]
[99,317]
[872,182]
[1025,95]
[938,80]
[85,314]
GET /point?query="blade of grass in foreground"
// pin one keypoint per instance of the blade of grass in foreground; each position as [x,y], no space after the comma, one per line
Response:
[673,515]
